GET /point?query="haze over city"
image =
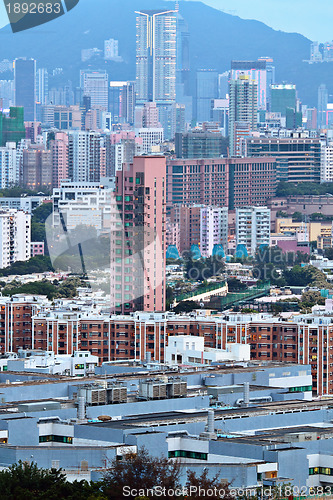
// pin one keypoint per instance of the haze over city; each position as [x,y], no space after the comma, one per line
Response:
[166,250]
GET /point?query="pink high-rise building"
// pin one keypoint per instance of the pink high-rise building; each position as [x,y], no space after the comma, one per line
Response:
[138,236]
[59,149]
[150,117]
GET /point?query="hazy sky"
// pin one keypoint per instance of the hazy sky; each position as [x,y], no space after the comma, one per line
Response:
[308,17]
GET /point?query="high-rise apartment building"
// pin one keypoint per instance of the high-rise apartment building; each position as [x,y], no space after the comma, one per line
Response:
[84,156]
[186,220]
[59,148]
[25,87]
[206,90]
[156,56]
[226,182]
[36,167]
[253,227]
[7,94]
[15,241]
[8,166]
[128,103]
[111,48]
[213,229]
[326,163]
[95,84]
[42,86]
[243,108]
[137,240]
[322,106]
[256,71]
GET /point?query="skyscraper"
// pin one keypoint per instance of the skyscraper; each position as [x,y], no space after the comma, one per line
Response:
[42,86]
[25,87]
[243,107]
[84,156]
[322,106]
[156,56]
[95,85]
[206,90]
[255,70]
[138,247]
[283,97]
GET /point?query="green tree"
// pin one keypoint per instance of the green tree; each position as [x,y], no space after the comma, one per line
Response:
[140,471]
[25,481]
[195,484]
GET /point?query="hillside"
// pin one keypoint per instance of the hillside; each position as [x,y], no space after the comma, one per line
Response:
[216,38]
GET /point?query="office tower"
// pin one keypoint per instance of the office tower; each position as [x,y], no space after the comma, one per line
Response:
[111,48]
[42,86]
[297,158]
[322,106]
[183,57]
[84,156]
[178,119]
[243,108]
[151,139]
[206,90]
[8,166]
[294,119]
[256,71]
[270,80]
[156,56]
[62,117]
[119,148]
[225,182]
[223,84]
[311,118]
[200,144]
[25,87]
[128,103]
[283,97]
[138,249]
[36,167]
[12,127]
[253,227]
[59,148]
[213,229]
[15,242]
[7,94]
[219,113]
[95,85]
[115,89]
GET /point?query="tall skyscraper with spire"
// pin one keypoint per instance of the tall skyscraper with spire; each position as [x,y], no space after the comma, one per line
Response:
[156,56]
